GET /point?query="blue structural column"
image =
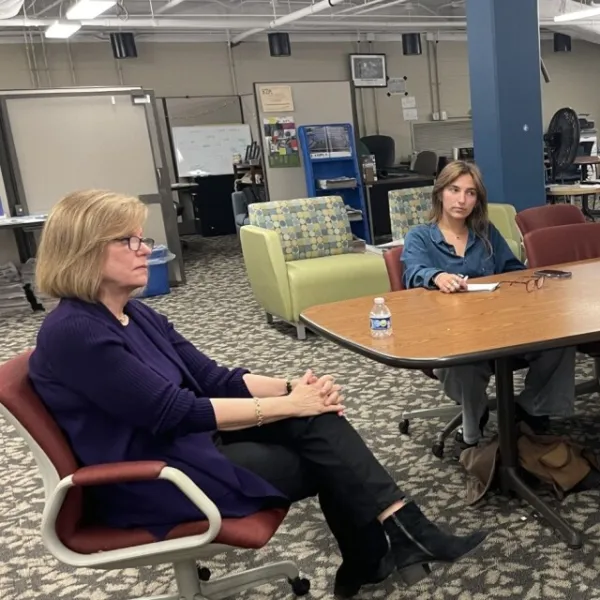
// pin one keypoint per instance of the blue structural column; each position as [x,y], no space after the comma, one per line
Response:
[506,99]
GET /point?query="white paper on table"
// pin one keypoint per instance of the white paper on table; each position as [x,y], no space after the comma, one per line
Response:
[482,287]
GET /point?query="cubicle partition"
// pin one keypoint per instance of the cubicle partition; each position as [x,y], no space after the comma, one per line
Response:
[314,103]
[63,140]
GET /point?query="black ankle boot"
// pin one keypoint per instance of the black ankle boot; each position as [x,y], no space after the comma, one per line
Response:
[415,542]
[350,578]
[538,425]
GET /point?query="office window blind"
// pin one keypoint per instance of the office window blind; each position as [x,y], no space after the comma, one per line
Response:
[442,136]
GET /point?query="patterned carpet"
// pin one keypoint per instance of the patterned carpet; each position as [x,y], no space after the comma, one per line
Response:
[523,559]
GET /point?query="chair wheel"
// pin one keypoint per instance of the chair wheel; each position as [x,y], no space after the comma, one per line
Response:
[403,426]
[300,586]
[458,436]
[438,449]
[203,574]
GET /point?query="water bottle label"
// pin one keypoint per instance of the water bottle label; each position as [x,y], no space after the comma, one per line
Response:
[381,323]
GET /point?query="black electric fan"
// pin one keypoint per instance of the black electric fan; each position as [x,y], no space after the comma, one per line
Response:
[562,140]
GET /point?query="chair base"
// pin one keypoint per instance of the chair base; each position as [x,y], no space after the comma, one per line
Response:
[190,587]
[593,385]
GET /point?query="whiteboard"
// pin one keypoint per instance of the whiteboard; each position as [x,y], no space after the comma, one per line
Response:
[208,149]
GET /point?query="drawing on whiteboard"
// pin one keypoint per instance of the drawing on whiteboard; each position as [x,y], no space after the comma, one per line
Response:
[203,150]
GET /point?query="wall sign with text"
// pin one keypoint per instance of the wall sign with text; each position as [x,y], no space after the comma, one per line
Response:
[276,98]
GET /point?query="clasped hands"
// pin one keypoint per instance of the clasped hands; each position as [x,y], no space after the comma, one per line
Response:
[314,395]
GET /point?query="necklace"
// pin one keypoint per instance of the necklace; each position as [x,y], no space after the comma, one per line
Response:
[451,234]
[124,320]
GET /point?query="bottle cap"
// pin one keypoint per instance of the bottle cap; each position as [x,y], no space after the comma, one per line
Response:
[379,300]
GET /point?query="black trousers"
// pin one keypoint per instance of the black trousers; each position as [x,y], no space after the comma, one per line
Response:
[322,456]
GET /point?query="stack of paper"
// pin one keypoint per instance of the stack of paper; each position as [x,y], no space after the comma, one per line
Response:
[13,300]
[28,274]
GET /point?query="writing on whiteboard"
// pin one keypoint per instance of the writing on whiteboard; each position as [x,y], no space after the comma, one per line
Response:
[203,150]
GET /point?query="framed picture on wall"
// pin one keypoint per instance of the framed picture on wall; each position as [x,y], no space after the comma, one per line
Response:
[368,70]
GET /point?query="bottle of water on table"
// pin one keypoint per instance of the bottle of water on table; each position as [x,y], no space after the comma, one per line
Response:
[381,319]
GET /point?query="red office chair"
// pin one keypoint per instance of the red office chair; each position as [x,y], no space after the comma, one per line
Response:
[395,273]
[550,215]
[563,244]
[81,542]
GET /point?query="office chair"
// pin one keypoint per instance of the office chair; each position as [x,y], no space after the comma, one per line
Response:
[426,163]
[383,147]
[395,272]
[551,215]
[179,213]
[84,543]
[563,244]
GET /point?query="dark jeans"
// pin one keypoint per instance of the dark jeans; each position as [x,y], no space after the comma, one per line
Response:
[322,456]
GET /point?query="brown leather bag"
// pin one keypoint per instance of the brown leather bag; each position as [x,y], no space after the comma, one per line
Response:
[553,460]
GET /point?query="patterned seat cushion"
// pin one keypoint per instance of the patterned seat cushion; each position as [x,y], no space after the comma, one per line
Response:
[408,208]
[307,227]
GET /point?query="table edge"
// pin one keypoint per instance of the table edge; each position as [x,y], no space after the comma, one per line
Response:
[453,361]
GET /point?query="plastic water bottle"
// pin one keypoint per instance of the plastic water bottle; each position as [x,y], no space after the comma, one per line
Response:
[381,319]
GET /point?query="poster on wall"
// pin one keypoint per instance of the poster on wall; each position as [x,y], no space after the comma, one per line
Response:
[276,98]
[281,142]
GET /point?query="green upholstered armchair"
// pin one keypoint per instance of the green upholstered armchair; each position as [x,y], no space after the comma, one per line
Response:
[503,216]
[411,207]
[298,253]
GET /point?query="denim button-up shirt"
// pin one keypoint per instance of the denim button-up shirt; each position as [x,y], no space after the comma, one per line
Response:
[426,253]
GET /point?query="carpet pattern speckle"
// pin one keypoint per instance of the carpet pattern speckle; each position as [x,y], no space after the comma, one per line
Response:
[522,559]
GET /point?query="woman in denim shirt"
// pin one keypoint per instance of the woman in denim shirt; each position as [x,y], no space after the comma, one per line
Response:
[458,243]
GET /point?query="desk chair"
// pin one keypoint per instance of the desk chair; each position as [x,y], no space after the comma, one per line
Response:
[179,213]
[550,215]
[395,272]
[383,147]
[562,244]
[426,163]
[89,544]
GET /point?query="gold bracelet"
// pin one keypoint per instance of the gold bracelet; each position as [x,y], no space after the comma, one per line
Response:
[258,412]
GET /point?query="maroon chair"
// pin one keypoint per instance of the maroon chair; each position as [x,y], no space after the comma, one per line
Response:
[71,534]
[564,244]
[551,215]
[395,271]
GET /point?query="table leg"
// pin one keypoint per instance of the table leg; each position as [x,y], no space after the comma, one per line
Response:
[510,479]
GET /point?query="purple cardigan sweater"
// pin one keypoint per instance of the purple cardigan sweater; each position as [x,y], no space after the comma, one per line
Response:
[115,406]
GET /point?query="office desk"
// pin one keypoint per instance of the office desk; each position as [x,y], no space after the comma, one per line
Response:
[22,226]
[378,204]
[434,330]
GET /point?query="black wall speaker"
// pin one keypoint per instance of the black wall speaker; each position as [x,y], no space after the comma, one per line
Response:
[279,44]
[562,42]
[411,44]
[123,45]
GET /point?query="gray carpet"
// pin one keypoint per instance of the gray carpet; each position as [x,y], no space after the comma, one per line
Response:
[522,559]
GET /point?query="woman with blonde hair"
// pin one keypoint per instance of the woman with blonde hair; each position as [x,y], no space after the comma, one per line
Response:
[459,243]
[125,386]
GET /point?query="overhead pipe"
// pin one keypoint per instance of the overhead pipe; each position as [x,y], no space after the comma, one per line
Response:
[241,24]
[289,18]
[168,6]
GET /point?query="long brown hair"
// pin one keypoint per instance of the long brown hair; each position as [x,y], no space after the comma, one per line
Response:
[478,220]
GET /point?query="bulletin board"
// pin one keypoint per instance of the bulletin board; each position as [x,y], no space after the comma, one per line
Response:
[315,102]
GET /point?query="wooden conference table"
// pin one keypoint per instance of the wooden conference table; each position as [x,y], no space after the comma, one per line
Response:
[433,330]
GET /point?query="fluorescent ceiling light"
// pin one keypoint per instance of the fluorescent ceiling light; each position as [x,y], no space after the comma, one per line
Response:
[577,15]
[89,9]
[62,30]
